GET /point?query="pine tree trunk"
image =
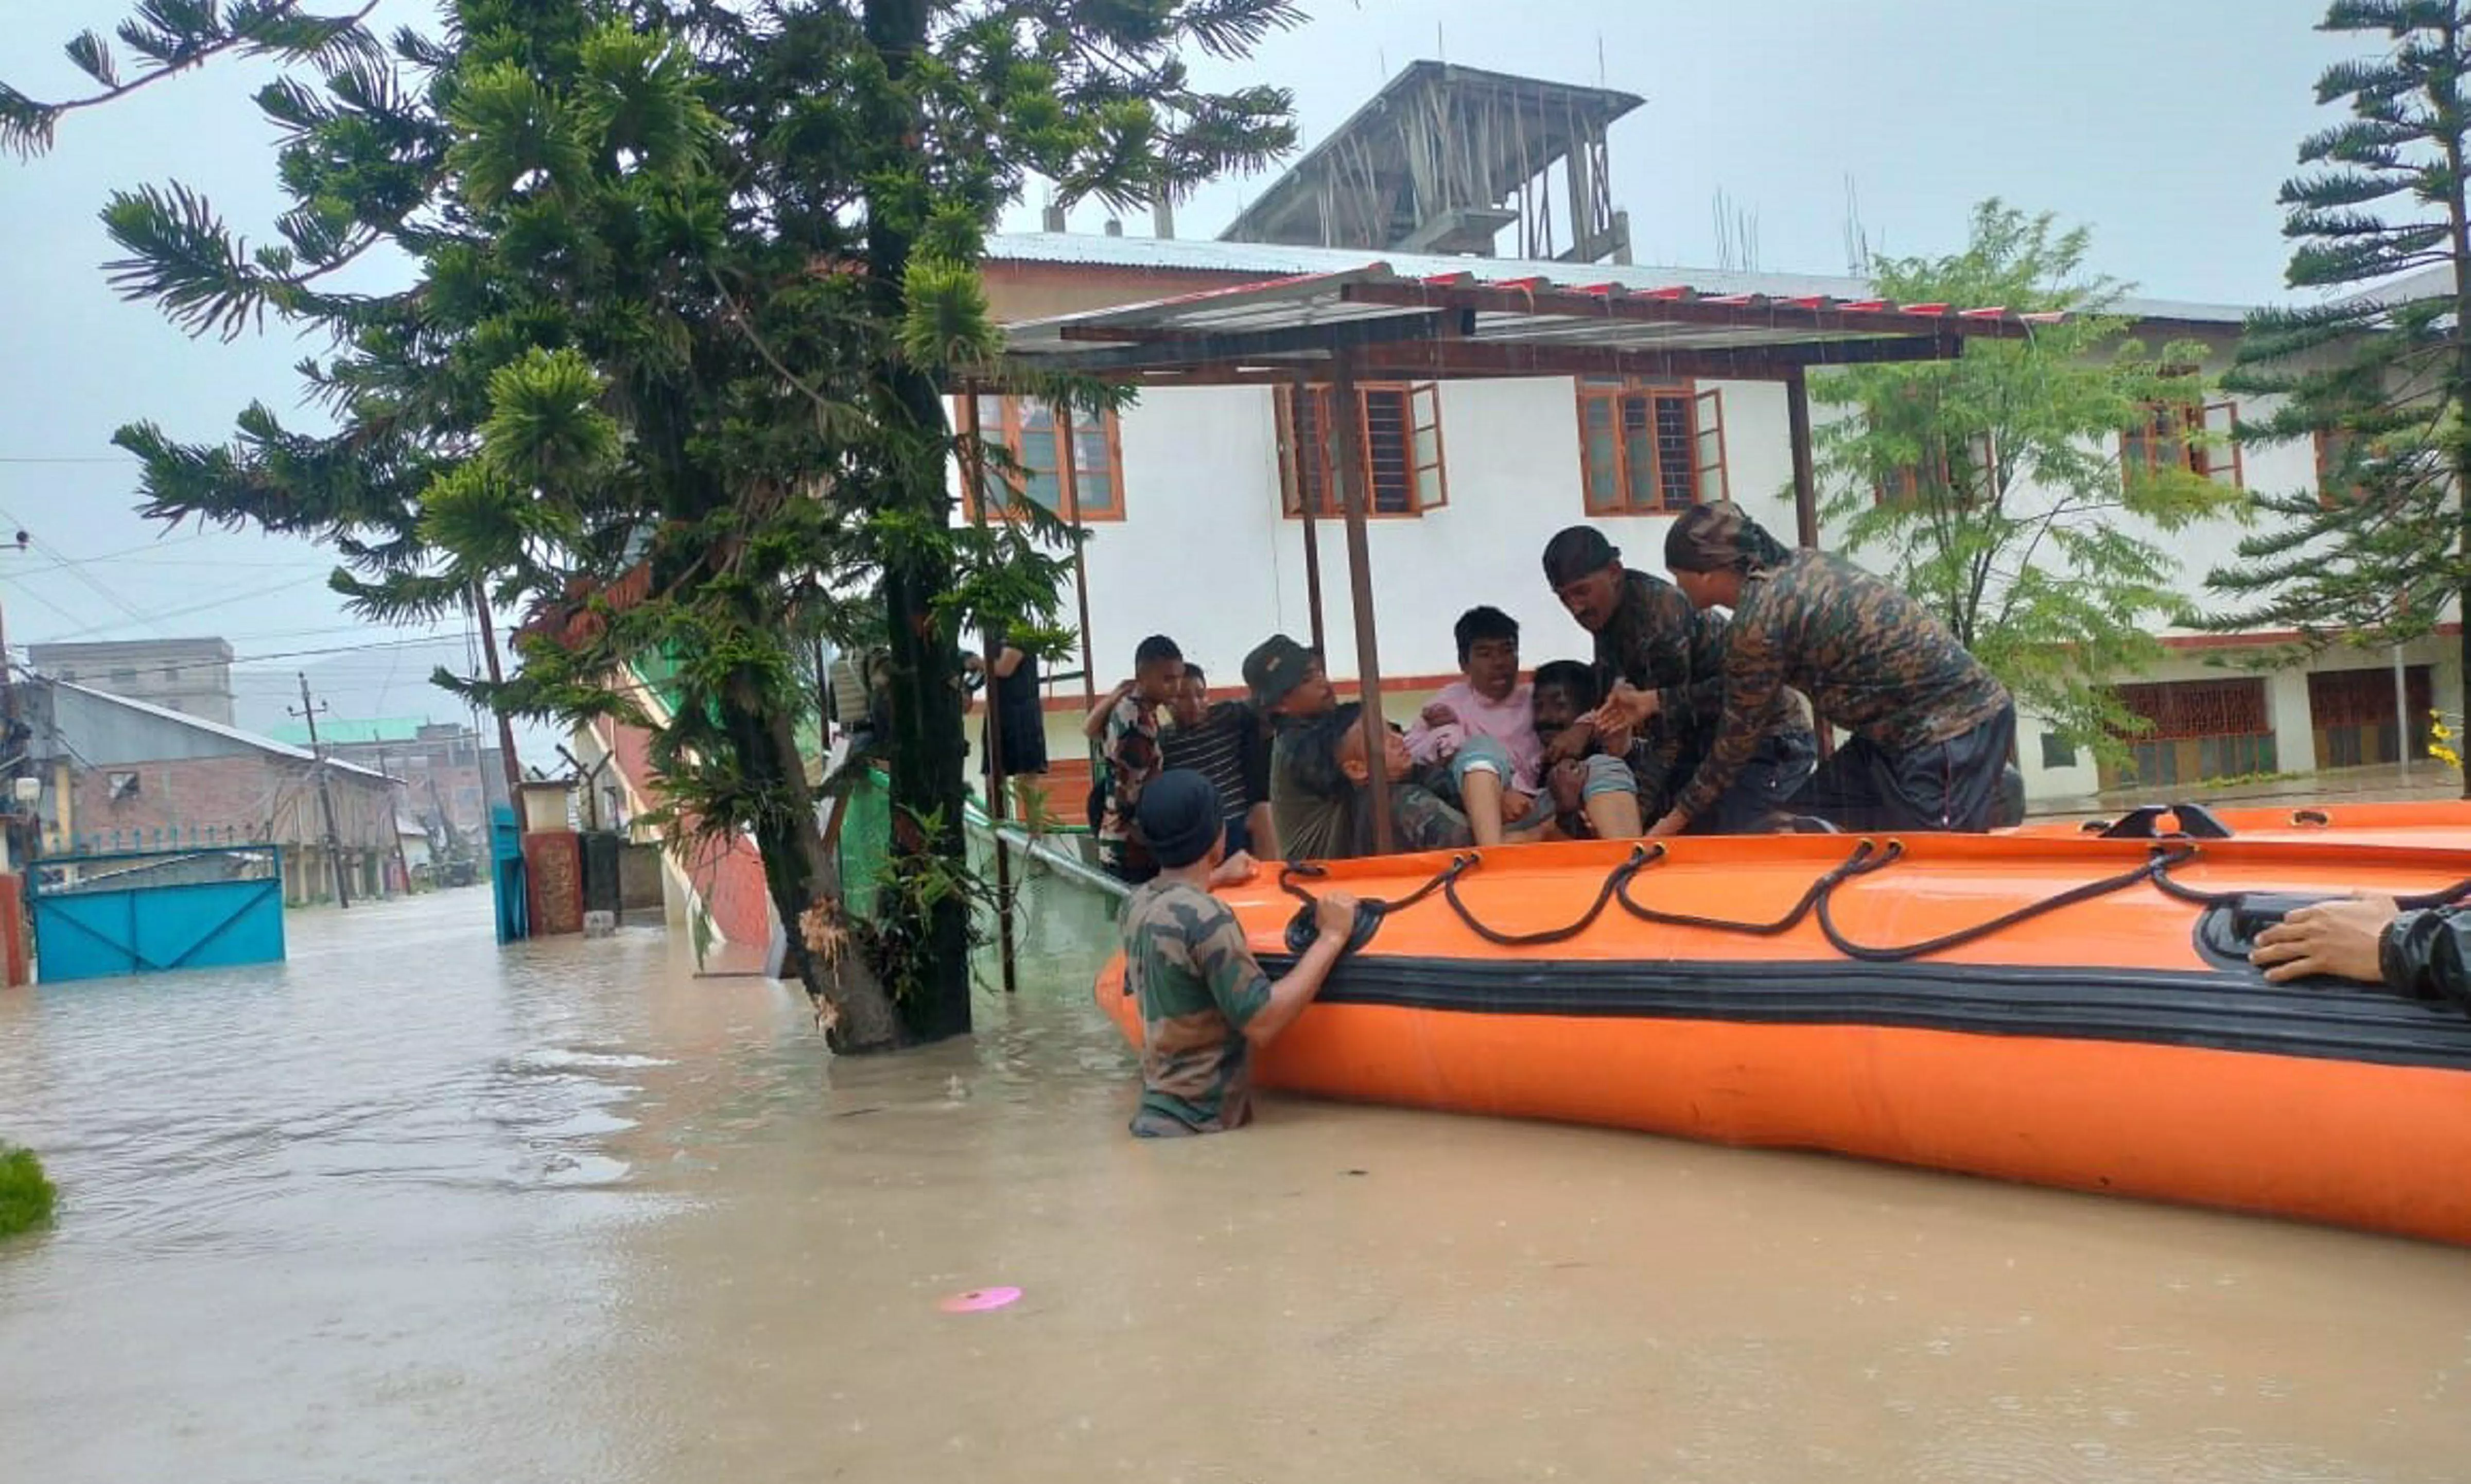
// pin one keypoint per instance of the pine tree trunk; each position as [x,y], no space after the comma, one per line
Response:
[927,750]
[798,873]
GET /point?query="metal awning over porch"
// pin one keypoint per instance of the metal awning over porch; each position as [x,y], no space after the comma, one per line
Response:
[1459,325]
[1336,328]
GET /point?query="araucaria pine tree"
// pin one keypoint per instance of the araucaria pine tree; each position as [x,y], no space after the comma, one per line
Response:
[2378,377]
[688,285]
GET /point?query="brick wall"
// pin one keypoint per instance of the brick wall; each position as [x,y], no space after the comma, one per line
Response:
[461,788]
[257,794]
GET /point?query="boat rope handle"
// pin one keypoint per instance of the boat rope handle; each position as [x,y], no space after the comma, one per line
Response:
[1614,881]
[2085,891]
[1302,930]
[2443,896]
[1288,873]
[1866,858]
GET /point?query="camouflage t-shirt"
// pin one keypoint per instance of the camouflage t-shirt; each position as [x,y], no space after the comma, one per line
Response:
[1659,641]
[1132,759]
[1186,963]
[1872,660]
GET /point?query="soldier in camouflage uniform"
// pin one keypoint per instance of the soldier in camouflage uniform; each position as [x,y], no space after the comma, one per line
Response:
[1651,637]
[1932,729]
[1318,771]
[1205,1002]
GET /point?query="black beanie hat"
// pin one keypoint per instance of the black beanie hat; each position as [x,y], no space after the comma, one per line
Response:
[1576,551]
[1180,817]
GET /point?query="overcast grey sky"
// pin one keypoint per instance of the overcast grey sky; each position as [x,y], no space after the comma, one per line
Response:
[2166,124]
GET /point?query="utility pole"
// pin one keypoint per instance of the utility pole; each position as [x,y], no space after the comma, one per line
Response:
[308,712]
[498,676]
[394,826]
[18,851]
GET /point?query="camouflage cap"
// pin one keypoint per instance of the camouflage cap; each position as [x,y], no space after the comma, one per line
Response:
[1275,667]
[1719,538]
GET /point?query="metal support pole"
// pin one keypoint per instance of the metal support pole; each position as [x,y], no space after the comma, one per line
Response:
[1300,392]
[1805,479]
[1359,581]
[1805,503]
[1069,474]
[973,469]
[2402,712]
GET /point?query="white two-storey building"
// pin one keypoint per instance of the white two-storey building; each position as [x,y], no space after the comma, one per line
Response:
[1194,499]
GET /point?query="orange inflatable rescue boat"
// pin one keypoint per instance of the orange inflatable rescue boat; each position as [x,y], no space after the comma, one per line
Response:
[2047,1005]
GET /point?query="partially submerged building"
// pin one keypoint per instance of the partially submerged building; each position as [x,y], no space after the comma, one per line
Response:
[117,773]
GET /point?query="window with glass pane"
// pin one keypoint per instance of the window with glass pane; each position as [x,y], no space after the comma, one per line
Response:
[1600,454]
[1036,449]
[1030,431]
[1648,450]
[1401,435]
[2198,437]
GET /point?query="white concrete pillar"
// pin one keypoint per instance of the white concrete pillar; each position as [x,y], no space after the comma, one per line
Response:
[2286,710]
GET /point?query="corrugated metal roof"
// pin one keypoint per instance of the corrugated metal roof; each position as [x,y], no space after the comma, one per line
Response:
[218,729]
[1273,260]
[1457,324]
[2427,283]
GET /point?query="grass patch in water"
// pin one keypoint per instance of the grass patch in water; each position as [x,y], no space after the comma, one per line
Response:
[26,1193]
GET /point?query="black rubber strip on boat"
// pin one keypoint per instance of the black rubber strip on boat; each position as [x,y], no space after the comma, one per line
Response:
[2219,1011]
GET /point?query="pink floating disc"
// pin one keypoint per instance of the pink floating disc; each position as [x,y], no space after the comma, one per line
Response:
[978,1301]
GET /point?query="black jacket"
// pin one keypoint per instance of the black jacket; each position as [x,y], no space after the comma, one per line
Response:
[2427,956]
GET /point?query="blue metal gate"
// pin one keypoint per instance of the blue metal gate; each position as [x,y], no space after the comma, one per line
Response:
[111,913]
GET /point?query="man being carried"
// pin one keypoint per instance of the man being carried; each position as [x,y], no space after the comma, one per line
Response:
[1324,785]
[1205,1002]
[1650,637]
[1595,796]
[1932,729]
[1480,732]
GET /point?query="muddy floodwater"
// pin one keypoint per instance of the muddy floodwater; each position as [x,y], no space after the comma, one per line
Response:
[413,1208]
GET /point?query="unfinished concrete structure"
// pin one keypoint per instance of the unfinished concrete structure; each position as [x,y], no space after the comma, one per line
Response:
[1445,159]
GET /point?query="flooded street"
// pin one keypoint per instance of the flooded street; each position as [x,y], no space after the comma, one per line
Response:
[413,1208]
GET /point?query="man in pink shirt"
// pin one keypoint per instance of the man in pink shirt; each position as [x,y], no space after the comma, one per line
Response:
[1481,731]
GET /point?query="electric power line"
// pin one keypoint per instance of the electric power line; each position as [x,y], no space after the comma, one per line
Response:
[79,573]
[154,620]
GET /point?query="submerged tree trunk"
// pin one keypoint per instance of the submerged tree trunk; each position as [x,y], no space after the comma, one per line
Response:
[797,872]
[928,749]
[927,761]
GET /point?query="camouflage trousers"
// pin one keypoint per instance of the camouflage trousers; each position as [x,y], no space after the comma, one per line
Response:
[1420,819]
